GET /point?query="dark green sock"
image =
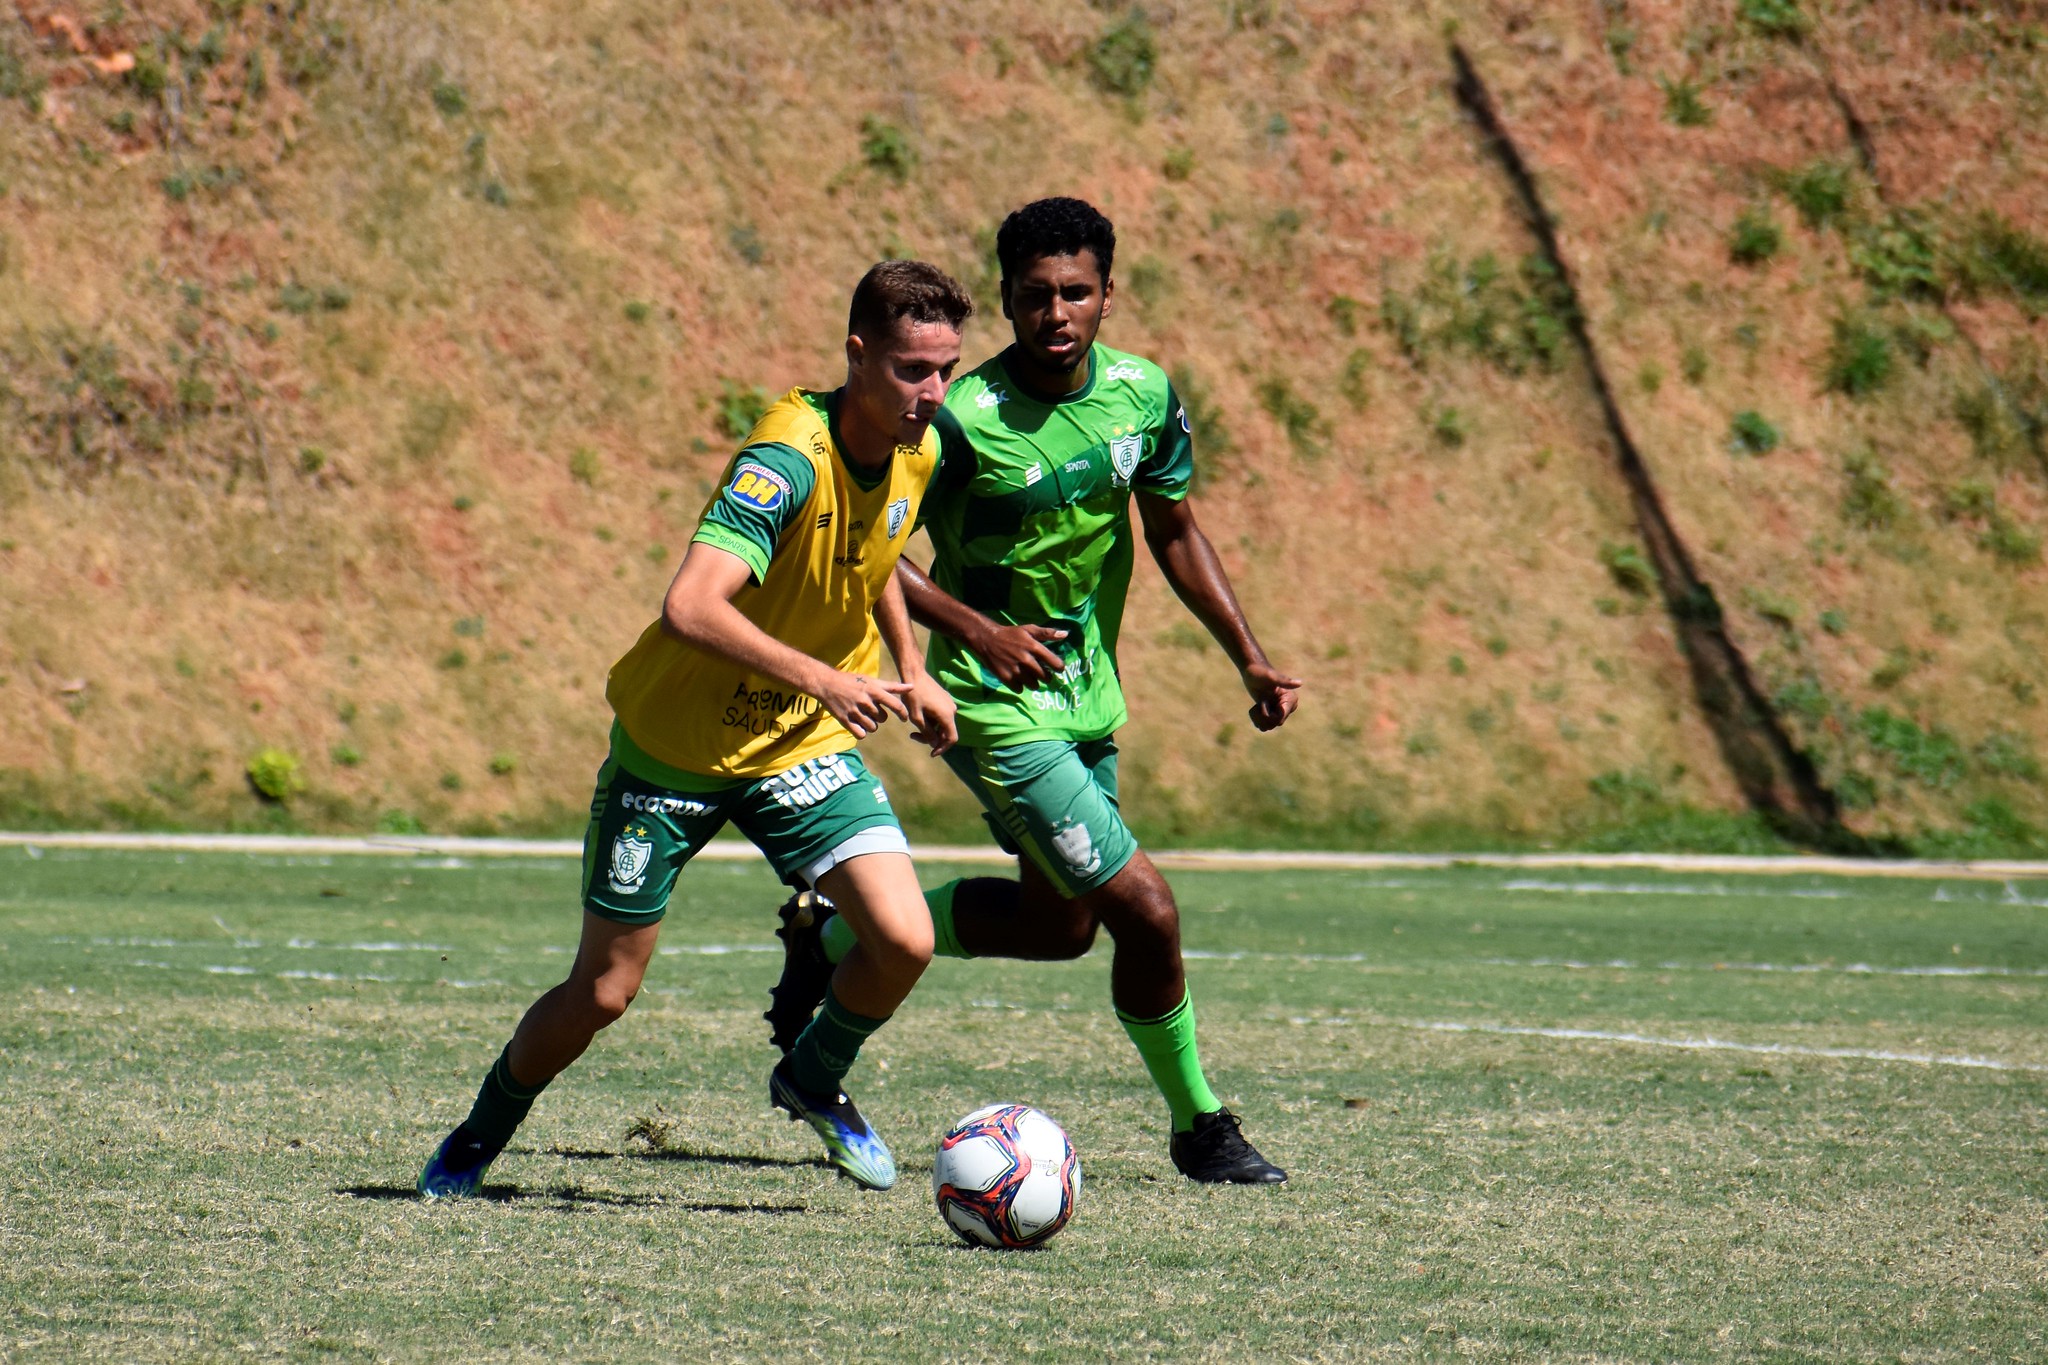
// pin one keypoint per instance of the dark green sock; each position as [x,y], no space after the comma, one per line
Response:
[501,1103]
[826,1049]
[1168,1046]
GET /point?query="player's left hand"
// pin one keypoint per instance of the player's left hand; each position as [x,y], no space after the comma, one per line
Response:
[1273,699]
[933,714]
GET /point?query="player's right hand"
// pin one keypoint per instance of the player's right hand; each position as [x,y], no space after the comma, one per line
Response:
[1017,655]
[862,703]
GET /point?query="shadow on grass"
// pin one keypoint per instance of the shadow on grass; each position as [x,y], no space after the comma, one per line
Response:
[686,1154]
[514,1194]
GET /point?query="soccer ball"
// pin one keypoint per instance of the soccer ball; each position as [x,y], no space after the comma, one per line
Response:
[1006,1176]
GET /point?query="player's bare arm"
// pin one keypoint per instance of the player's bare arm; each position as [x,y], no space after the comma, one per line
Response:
[698,610]
[1015,654]
[1191,566]
[930,705]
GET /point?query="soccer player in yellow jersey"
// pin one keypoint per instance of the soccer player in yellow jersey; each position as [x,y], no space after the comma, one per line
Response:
[743,703]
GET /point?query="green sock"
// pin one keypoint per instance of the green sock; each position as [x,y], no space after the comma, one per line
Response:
[838,940]
[826,1049]
[1168,1046]
[501,1103]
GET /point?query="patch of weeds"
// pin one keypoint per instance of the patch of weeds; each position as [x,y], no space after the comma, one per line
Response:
[1749,433]
[885,148]
[1833,622]
[469,627]
[745,241]
[17,82]
[1620,40]
[2006,754]
[1306,431]
[1995,254]
[345,755]
[1683,105]
[300,299]
[1355,383]
[1859,359]
[1629,566]
[1970,499]
[451,782]
[1449,426]
[1898,663]
[1516,323]
[1932,758]
[1990,827]
[1776,608]
[1422,744]
[2010,542]
[1998,431]
[312,459]
[452,660]
[1870,501]
[739,409]
[1497,645]
[1178,165]
[399,822]
[1898,257]
[657,555]
[1123,60]
[584,465]
[275,774]
[1693,364]
[1820,192]
[1805,698]
[1627,794]
[450,99]
[1755,237]
[638,310]
[1457,666]
[503,764]
[1775,18]
[1650,378]
[1344,312]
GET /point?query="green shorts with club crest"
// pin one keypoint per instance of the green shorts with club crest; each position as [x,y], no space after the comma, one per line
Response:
[647,819]
[1053,801]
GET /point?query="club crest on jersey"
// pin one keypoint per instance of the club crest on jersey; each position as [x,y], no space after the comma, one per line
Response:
[899,510]
[758,486]
[1123,455]
[630,858]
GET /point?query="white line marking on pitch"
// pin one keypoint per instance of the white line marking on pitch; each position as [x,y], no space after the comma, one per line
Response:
[1715,1045]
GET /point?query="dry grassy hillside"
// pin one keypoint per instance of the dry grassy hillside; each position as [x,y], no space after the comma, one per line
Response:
[363,370]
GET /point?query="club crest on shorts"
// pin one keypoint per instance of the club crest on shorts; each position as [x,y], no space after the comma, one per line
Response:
[1072,842]
[1123,455]
[630,857]
[899,510]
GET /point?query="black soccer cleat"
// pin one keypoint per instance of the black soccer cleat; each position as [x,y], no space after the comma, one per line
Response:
[1214,1152]
[805,972]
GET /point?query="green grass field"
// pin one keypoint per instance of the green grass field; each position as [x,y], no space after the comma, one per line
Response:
[223,1073]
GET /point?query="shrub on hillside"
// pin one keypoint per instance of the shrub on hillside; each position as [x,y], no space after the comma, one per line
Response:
[1859,359]
[1122,60]
[1775,18]
[1631,569]
[275,774]
[1683,105]
[1870,501]
[1749,433]
[1820,192]
[1755,238]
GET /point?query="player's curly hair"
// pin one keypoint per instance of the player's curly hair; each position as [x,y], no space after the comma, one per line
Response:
[906,289]
[1054,227]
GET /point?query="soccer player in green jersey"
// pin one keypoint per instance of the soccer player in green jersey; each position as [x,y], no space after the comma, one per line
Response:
[1034,540]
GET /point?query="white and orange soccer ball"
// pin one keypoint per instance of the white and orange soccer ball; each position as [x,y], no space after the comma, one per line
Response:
[1006,1176]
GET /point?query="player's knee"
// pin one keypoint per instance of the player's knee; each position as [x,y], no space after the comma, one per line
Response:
[902,952]
[1146,915]
[607,999]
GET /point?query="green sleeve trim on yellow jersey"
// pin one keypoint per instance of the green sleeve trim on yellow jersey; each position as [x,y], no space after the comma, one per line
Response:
[648,768]
[733,543]
[765,489]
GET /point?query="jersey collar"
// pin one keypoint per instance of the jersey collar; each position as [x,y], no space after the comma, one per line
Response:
[861,478]
[1037,395]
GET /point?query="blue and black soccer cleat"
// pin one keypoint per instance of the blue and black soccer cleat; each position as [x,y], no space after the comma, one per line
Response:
[850,1144]
[456,1169]
[795,997]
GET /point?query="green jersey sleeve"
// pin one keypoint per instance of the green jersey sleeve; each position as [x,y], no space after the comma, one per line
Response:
[766,487]
[1170,468]
[956,463]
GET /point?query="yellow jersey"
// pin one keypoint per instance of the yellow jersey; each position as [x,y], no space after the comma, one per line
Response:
[821,542]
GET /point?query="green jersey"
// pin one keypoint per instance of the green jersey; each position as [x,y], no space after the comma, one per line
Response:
[1030,515]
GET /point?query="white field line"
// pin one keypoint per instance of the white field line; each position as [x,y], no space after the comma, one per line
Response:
[397,845]
[1717,1045]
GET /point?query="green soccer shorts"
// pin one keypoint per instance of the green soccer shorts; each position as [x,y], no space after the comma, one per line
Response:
[806,820]
[1054,802]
